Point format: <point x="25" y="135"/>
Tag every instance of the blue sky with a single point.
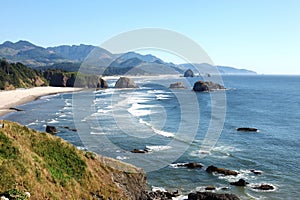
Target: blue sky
<point x="261" y="35"/>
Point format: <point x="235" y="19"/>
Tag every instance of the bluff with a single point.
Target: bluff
<point x="15" y="75"/>
<point x="48" y="167"/>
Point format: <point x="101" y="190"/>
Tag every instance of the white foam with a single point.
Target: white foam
<point x="158" y="148"/>
<point x="163" y="133"/>
<point x="53" y="121"/>
<point x="162" y="96"/>
<point x="156" y="189"/>
<point x="122" y="158"/>
<point x="157" y="131"/>
<point x="98" y="133"/>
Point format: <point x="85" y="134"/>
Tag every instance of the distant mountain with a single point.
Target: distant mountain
<point x="204" y="69"/>
<point x="98" y="61"/>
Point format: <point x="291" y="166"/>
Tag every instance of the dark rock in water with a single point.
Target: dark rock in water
<point x="264" y="187"/>
<point x="139" y="151"/>
<point x="51" y="129"/>
<point x="71" y="129"/>
<point x="191" y="165"/>
<point x="162" y="195"/>
<point x="16" y="109"/>
<point x="246" y="129"/>
<point x="202" y="86"/>
<point x="102" y="84"/>
<point x="211" y="187"/>
<point x="226" y="172"/>
<point x="240" y="182"/>
<point x="255" y="172"/>
<point x="178" y="85"/>
<point x="188" y="73"/>
<point x="211" y="196"/>
<point x="125" y="82"/>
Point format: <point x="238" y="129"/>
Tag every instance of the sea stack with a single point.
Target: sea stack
<point x="189" y="73"/>
<point x="125" y="82"/>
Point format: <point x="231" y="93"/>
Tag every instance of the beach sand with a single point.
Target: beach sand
<point x="12" y="98"/>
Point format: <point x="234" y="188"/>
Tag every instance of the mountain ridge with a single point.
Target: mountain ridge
<point x="99" y="60"/>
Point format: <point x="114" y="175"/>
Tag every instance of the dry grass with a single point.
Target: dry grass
<point x="50" y="168"/>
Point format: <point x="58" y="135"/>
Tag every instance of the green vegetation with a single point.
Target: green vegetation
<point x="14" y="75"/>
<point x="49" y="168"/>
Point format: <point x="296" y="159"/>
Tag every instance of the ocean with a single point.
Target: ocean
<point x="181" y="126"/>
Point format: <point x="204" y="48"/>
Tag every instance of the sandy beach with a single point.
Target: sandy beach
<point x="12" y="98"/>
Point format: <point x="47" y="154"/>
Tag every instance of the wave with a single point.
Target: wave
<point x="157" y="131"/>
<point x="98" y="133"/>
<point x="53" y="121"/>
<point x="158" y="147"/>
<point x="122" y="158"/>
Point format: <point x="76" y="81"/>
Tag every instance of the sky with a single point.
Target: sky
<point x="260" y="35"/>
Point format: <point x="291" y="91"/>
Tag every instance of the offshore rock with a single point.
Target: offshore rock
<point x="247" y="129"/>
<point x="240" y="182"/>
<point x="177" y="85"/>
<point x="51" y="129"/>
<point x="223" y="171"/>
<point x="188" y="73"/>
<point x="125" y="82"/>
<point x="202" y="86"/>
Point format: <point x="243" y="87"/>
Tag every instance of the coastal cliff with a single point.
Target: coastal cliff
<point x="47" y="167"/>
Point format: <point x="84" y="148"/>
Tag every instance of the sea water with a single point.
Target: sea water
<point x="172" y="125"/>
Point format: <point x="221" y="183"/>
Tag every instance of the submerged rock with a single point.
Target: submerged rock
<point x="223" y="171"/>
<point x="240" y="182"/>
<point x="188" y="73"/>
<point x="204" y="86"/>
<point x="263" y="187"/>
<point x="51" y="129"/>
<point x="177" y="85"/>
<point x="191" y="165"/>
<point x="255" y="172"/>
<point x="211" y="196"/>
<point x="139" y="151"/>
<point x="247" y="129"/>
<point x="125" y="82"/>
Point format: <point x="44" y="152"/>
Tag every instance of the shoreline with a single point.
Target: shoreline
<point x="20" y="96"/>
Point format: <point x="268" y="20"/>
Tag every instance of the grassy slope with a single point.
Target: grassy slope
<point x="50" y="168"/>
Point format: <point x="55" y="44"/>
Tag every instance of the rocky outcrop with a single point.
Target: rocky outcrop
<point x="223" y="171"/>
<point x="191" y="165"/>
<point x="205" y="86"/>
<point x="188" y="73"/>
<point x="51" y="129"/>
<point x="263" y="187"/>
<point x="240" y="182"/>
<point x="125" y="82"/>
<point x="162" y="195"/>
<point x="247" y="129"/>
<point x="211" y="196"/>
<point x="102" y="84"/>
<point x="177" y="85"/>
<point x="58" y="80"/>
